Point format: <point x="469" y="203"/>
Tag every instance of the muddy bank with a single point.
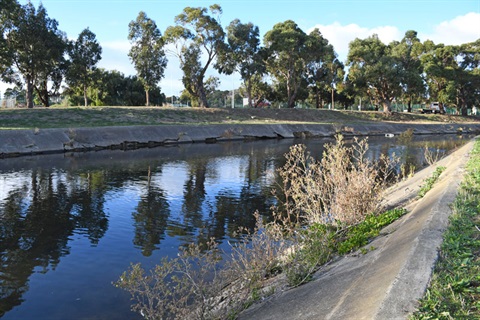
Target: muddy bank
<point x="27" y="142"/>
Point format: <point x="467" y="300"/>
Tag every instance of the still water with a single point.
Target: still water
<point x="70" y="224"/>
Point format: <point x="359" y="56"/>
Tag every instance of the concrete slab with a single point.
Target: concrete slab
<point x="26" y="142"/>
<point x="387" y="282"/>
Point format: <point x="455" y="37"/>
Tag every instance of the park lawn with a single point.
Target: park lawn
<point x="75" y="117"/>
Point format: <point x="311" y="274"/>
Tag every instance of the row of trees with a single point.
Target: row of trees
<point x="36" y="55"/>
<point x="291" y="65"/>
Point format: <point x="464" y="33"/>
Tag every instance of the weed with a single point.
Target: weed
<point x="432" y="156"/>
<point x="341" y="188"/>
<point x="430" y="181"/>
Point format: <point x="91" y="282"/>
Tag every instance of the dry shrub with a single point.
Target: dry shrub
<point x="198" y="285"/>
<point x="432" y="156"/>
<point x="180" y="288"/>
<point x="341" y="188"/>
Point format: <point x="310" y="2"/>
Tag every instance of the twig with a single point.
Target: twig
<point x="477" y="228"/>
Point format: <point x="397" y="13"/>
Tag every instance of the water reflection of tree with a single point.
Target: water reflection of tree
<point x="36" y="227"/>
<point x="150" y="218"/>
<point x="230" y="210"/>
<point x="88" y="205"/>
<point x="38" y="238"/>
<point x="194" y="195"/>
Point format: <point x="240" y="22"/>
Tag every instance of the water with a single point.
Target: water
<point x="71" y="224"/>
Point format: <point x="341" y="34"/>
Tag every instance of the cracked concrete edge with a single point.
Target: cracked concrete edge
<point x="411" y="283"/>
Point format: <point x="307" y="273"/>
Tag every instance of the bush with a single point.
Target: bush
<point x="340" y="189"/>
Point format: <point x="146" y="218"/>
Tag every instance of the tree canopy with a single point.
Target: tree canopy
<point x="84" y="54"/>
<point x="37" y="48"/>
<point x="147" y="53"/>
<point x="195" y="34"/>
<point x="244" y="55"/>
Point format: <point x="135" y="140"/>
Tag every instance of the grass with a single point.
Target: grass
<point x="71" y="117"/>
<point x="454" y="290"/>
<point x="430" y="181"/>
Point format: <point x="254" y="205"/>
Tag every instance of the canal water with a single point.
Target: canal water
<point x="70" y="224"/>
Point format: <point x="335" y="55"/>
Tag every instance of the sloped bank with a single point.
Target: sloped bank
<point x="38" y="141"/>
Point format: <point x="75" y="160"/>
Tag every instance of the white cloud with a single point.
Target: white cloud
<point x="341" y="35"/>
<point x="118" y="45"/>
<point x="461" y="29"/>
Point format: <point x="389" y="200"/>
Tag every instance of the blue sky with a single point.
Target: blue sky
<point x="340" y="21"/>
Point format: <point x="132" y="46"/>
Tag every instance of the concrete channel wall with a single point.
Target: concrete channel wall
<point x="27" y="142"/>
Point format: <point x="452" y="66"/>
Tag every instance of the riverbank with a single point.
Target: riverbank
<point x="58" y="140"/>
<point x="80" y="117"/>
<point x="386" y="280"/>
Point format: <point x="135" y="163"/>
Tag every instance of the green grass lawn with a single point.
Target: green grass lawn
<point x="71" y="117"/>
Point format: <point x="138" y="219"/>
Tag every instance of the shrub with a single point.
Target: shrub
<point x="340" y="189"/>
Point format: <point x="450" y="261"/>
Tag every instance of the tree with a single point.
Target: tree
<point x="260" y="91"/>
<point x="408" y="53"/>
<point x="323" y="70"/>
<point x="147" y="52"/>
<point x="37" y="48"/>
<point x="285" y="45"/>
<point x="290" y="52"/>
<point x="196" y="33"/>
<point x="453" y="74"/>
<point x="8" y="11"/>
<point x="84" y="53"/>
<point x="243" y="54"/>
<point x="374" y="69"/>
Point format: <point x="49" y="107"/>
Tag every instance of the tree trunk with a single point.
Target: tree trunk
<point x="42" y="93"/>
<point x="409" y="108"/>
<point x="333" y="99"/>
<point x="85" y="94"/>
<point x="387" y="106"/>
<point x="147" y="97"/>
<point x="29" y="93"/>
<point x="202" y="97"/>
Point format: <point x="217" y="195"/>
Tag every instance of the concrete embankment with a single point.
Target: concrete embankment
<point x="37" y="141"/>
<point x="387" y="281"/>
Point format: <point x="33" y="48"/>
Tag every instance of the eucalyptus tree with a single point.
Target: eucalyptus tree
<point x="147" y="53"/>
<point x="243" y="54"/>
<point x="260" y="91"/>
<point x="373" y="69"/>
<point x="8" y="11"/>
<point x="324" y="70"/>
<point x="292" y="56"/>
<point x="452" y="74"/>
<point x="408" y="52"/>
<point x="37" y="48"/>
<point x="468" y="76"/>
<point x="286" y="50"/>
<point x="84" y="54"/>
<point x="197" y="38"/>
